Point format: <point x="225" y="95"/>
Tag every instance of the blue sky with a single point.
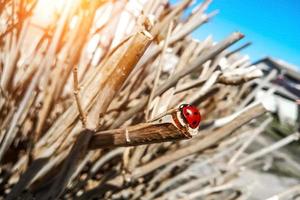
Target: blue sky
<point x="273" y="26"/>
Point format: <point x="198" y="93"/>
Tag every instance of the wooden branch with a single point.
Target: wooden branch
<point x="190" y="85"/>
<point x="99" y="91"/>
<point x="159" y="68"/>
<point x="249" y="140"/>
<point x="209" y="190"/>
<point x="26" y="178"/>
<point x="176" y="77"/>
<point x="49" y="154"/>
<point x="250" y="96"/>
<point x="268" y="149"/>
<point x="240" y="76"/>
<point x="192" y="183"/>
<point x="213" y="138"/>
<point x="137" y="135"/>
<point x="122" y="61"/>
<point x="239" y="49"/>
<point x="200" y="61"/>
<point x="77" y="96"/>
<point x="130" y="136"/>
<point x="286" y="194"/>
<point x="70" y="164"/>
<point x="159" y="26"/>
<point x="203" y="144"/>
<point x="191" y="25"/>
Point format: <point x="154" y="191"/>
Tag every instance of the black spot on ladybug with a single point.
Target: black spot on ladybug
<point x="196" y="113"/>
<point x="194" y="122"/>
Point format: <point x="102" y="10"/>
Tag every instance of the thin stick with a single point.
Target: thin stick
<point x="287" y="194"/>
<point x="209" y="190"/>
<point x="266" y="150"/>
<point x="158" y="71"/>
<point x="191" y="184"/>
<point x="239" y="48"/>
<point x="69" y="166"/>
<point x="77" y="96"/>
<point x="190" y="85"/>
<point x="201" y="60"/>
<point x="247" y="142"/>
<point x="176" y="77"/>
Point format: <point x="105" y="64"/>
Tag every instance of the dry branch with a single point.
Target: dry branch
<point x="266" y="150"/>
<point x="47" y="153"/>
<point x="76" y="154"/>
<point x="137" y="135"/>
<point x="197" y="146"/>
<point x="200" y="61"/>
<point x="176" y="77"/>
<point x="137" y="45"/>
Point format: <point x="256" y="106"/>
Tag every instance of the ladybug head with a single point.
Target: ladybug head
<point x="183" y="105"/>
<point x="190" y="115"/>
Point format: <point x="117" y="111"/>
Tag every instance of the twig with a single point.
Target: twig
<point x="190" y="85"/>
<point x="159" y="68"/>
<point x="105" y="158"/>
<point x="190" y="184"/>
<point x="176" y="77"/>
<point x="240" y="76"/>
<point x="76" y="154"/>
<point x="266" y="150"/>
<point x="239" y="49"/>
<point x="137" y="135"/>
<point x="209" y="190"/>
<point x="250" y="96"/>
<point x="197" y="146"/>
<point x="124" y="60"/>
<point x="157" y="28"/>
<point x="26" y="178"/>
<point x="78" y="42"/>
<point x="77" y="96"/>
<point x="199" y="61"/>
<point x="254" y="135"/>
<point x="287" y="194"/>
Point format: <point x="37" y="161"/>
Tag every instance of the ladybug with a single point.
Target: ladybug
<point x="190" y="115"/>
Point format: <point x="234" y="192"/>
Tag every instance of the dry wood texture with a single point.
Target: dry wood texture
<point x="137" y="135"/>
<point x="80" y="87"/>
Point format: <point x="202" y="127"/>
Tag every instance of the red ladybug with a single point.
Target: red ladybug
<point x="190" y="115"/>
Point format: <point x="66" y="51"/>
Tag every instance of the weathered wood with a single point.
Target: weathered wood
<point x="137" y="135"/>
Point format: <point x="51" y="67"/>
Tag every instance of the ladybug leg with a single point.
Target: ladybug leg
<point x="175" y="119"/>
<point x="187" y="133"/>
<point x="184" y="129"/>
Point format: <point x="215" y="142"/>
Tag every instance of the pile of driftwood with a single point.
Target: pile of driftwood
<point x="79" y="95"/>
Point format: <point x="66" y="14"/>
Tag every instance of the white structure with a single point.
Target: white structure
<point x="285" y="81"/>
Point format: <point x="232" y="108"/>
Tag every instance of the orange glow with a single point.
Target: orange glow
<point x="46" y="10"/>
